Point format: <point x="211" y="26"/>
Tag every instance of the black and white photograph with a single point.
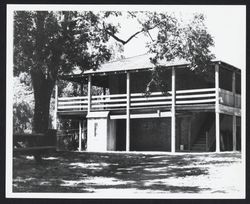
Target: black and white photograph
<point x="126" y="101"/>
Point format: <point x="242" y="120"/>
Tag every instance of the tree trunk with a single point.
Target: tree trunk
<point x="42" y="93"/>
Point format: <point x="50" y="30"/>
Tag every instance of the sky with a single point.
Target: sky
<point x="226" y="24"/>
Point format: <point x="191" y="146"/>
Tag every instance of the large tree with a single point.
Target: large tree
<point x="47" y="44"/>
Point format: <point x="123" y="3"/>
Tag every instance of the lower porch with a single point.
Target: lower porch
<point x="151" y="131"/>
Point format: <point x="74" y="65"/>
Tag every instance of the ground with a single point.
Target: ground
<point x="127" y="174"/>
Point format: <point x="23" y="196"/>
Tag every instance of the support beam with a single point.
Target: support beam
<point x="128" y="114"/>
<point x="173" y="112"/>
<point x="217" y="113"/>
<point x="234" y="116"/>
<point x="234" y="133"/>
<point x="56" y="103"/>
<point x="89" y="92"/>
<point x="233" y="87"/>
<point x="80" y="136"/>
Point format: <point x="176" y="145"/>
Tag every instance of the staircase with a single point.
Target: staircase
<point x="200" y="144"/>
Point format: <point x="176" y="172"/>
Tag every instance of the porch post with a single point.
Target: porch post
<point x="173" y="112"/>
<point x="80" y="135"/>
<point x="234" y="116"/>
<point x="217" y="114"/>
<point x="56" y="101"/>
<point x="234" y="133"/>
<point x="89" y="92"/>
<point x="128" y="114"/>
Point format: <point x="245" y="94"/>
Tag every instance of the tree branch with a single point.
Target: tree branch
<point x="122" y="41"/>
<point x="131" y="37"/>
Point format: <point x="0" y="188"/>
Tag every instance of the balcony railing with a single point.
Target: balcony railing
<point x="229" y="99"/>
<point x="137" y="100"/>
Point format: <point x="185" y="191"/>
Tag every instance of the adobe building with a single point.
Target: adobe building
<point x="199" y="113"/>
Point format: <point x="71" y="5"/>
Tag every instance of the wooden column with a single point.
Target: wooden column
<point x="128" y="114"/>
<point x="217" y="114"/>
<point x="89" y="92"/>
<point x="234" y="133"/>
<point x="173" y="112"/>
<point x="80" y="123"/>
<point x="80" y="136"/>
<point x="233" y="88"/>
<point x="234" y="116"/>
<point x="56" y="101"/>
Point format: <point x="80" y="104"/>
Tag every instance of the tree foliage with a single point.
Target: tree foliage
<point x="177" y="40"/>
<point x="47" y="44"/>
<point x="23" y="104"/>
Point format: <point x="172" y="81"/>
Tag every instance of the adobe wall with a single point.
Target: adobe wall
<point x="121" y="135"/>
<point x="183" y="131"/>
<point x="151" y="134"/>
<point x="185" y="79"/>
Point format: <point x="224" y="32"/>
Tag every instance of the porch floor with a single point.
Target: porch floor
<point x="117" y="111"/>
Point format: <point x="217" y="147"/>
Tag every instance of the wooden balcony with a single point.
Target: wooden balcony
<point x="137" y="100"/>
<point x="185" y="99"/>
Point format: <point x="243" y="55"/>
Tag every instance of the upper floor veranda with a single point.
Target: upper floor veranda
<point x="123" y="85"/>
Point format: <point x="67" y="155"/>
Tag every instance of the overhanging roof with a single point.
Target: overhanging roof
<point x="136" y="63"/>
<point x="133" y="63"/>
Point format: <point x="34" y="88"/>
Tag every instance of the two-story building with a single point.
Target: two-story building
<point x="200" y="112"/>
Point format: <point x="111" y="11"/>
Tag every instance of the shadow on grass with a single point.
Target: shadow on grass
<point x="89" y="172"/>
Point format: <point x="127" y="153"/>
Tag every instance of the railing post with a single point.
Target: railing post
<point x="217" y="113"/>
<point x="56" y="105"/>
<point x="89" y="92"/>
<point x="173" y="112"/>
<point x="128" y="114"/>
<point x="103" y="98"/>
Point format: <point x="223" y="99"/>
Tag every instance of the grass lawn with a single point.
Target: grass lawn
<point x="74" y="172"/>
